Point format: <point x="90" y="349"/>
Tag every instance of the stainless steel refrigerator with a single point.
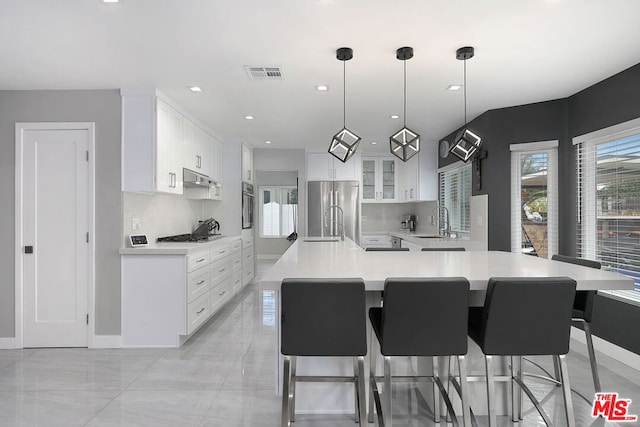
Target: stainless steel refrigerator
<point x="326" y="220"/>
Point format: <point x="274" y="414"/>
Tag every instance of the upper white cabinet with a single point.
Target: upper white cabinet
<point x="325" y="167"/>
<point x="168" y="175"/>
<point x="419" y="176"/>
<point x="159" y="140"/>
<point x="247" y="164"/>
<point x="380" y="179"/>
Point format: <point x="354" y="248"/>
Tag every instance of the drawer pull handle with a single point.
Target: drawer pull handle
<point x="200" y="311"/>
<point x="222" y="293"/>
<point x="221" y="252"/>
<point x="200" y="260"/>
<point x="200" y="283"/>
<point x="220" y="271"/>
<point x="374" y="240"/>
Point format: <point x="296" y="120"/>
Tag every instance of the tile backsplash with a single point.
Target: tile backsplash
<point x="386" y="216"/>
<point x="161" y="215"/>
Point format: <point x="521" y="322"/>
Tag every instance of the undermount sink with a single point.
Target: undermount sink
<point x="320" y="240"/>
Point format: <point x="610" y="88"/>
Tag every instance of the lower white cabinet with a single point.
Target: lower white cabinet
<point x="375" y="241"/>
<point x="248" y="261"/>
<point x="166" y="297"/>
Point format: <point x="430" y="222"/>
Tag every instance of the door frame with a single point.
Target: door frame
<point x="21" y="127"/>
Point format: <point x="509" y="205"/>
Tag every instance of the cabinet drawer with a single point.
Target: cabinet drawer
<point x="220" y="269"/>
<point x="197" y="283"/>
<point x="195" y="261"/>
<point x="220" y="294"/>
<point x="197" y="312"/>
<point x="372" y="240"/>
<point x="236" y="261"/>
<point x="247" y="273"/>
<point x="236" y="281"/>
<point x="220" y="252"/>
<point x="236" y="245"/>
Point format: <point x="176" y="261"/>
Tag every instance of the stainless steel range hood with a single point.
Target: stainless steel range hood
<point x="197" y="180"/>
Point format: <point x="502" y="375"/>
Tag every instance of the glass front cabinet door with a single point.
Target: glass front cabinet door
<point x="379" y="179"/>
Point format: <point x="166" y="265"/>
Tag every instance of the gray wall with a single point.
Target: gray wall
<point x="612" y="101"/>
<point x="103" y="108"/>
<point x="271" y="247"/>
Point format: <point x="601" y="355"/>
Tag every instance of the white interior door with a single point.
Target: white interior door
<point x="55" y="248"/>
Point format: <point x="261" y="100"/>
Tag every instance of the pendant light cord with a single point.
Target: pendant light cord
<point x="465" y="92"/>
<point x="344" y="94"/>
<point x="404" y="114"/>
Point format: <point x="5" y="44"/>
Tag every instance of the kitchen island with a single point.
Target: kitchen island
<point x="332" y="258"/>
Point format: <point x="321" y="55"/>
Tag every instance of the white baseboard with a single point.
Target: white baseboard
<point x="7" y="343"/>
<point x="605" y="347"/>
<point x="269" y="256"/>
<point x="107" y="341"/>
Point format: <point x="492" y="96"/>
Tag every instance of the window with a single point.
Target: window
<point x="278" y="209"/>
<point x="534" y="198"/>
<point x="608" y="200"/>
<point x="455" y="195"/>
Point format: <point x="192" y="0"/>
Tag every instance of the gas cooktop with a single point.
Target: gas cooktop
<point x="190" y="238"/>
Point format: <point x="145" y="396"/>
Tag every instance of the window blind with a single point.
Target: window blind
<point x="608" y="202"/>
<point x="455" y="195"/>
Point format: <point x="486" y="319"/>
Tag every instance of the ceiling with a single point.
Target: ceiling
<point x="526" y="51"/>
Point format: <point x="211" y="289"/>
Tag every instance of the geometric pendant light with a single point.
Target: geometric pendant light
<point x="344" y="143"/>
<point x="405" y="143"/>
<point x="466" y="143"/>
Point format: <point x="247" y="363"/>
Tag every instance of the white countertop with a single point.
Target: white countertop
<point x="346" y="259"/>
<point x="177" y="248"/>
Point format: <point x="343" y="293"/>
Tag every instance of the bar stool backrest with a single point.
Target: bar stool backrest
<point x="528" y="316"/>
<point x="323" y="317"/>
<point x="425" y="317"/>
<point x="584" y="300"/>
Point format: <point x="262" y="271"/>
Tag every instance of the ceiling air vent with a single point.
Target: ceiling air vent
<point x="264" y="73"/>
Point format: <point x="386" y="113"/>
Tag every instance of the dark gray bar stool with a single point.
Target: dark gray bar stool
<point x="443" y="249"/>
<point x="322" y="317"/>
<point x="583" y="313"/>
<point x="420" y="317"/>
<point x="387" y="249"/>
<point x="507" y="327"/>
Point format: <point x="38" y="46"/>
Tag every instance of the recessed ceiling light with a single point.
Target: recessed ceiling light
<point x="110" y="1"/>
<point x="267" y="142"/>
<point x="248" y="117"/>
<point x="322" y="88"/>
<point x="192" y="88"/>
<point x="374" y="142"/>
<point x="454" y="87"/>
<point x="394" y="116"/>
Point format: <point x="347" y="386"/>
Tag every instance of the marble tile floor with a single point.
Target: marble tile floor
<point x="224" y="377"/>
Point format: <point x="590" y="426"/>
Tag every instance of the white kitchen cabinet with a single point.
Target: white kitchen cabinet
<point x="325" y="167"/>
<point x="247" y="164"/>
<point x="420" y="175"/>
<point x="167" y="297"/>
<point x="248" y="261"/>
<point x="169" y="142"/>
<point x="158" y="141"/>
<point x="215" y="157"/>
<point x="379" y="180"/>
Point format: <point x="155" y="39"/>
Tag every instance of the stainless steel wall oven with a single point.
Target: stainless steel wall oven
<point x="248" y="202"/>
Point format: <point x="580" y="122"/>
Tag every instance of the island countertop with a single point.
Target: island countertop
<point x="340" y="259"/>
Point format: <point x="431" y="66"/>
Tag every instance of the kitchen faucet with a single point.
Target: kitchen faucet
<point x="442" y="229"/>
<point x="339" y="221"/>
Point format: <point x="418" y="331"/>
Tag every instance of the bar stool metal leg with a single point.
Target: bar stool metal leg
<point x="436" y="392"/>
<point x="286" y="393"/>
<point x="464" y="391"/>
<point x="491" y="409"/>
<point x="387" y="392"/>
<point x="372" y="376"/>
<point x="566" y="390"/>
<point x="592" y="357"/>
<point x="292" y="406"/>
<point x="361" y="400"/>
